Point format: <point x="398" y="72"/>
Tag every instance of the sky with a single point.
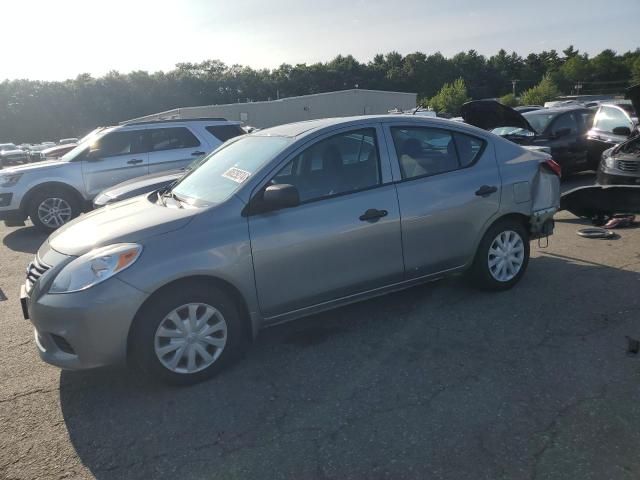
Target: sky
<point x="55" y="40"/>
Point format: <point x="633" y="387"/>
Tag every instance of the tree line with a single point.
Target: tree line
<point x="43" y="110"/>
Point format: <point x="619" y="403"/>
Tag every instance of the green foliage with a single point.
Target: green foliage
<point x="450" y="98"/>
<point x="509" y="100"/>
<point x="545" y="91"/>
<point x="34" y="111"/>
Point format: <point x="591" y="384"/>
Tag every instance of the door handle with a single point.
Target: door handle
<point x="197" y="154"/>
<point x="373" y="215"/>
<point x="134" y="161"/>
<point x="486" y="190"/>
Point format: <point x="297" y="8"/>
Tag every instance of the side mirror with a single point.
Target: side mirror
<point x="563" y="132"/>
<point x="626" y="131"/>
<point x="277" y="197"/>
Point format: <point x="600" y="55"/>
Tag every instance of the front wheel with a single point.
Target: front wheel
<point x="502" y="256"/>
<point x="187" y="334"/>
<point x="50" y="210"/>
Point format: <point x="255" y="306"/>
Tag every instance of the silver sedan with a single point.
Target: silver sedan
<point x="283" y="223"/>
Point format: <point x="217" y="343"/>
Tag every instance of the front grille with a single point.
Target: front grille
<point x="34" y="272"/>
<point x="628" y="165"/>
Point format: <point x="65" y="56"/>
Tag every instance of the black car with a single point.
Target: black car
<point x="561" y="130"/>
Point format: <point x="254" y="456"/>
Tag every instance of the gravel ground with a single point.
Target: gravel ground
<point x="439" y="381"/>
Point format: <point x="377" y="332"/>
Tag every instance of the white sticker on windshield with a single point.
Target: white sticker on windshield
<point x="236" y="174"/>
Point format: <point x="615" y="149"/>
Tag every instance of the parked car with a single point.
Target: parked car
<point x="613" y="124"/>
<point x="12" y="155"/>
<point x="53" y="192"/>
<point x="279" y="224"/>
<point x="562" y="130"/>
<point x="66" y="141"/>
<point x="619" y="165"/>
<point x="35" y="151"/>
<point x="141" y="185"/>
<point x="57" y="151"/>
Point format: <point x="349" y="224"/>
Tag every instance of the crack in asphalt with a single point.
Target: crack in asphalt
<point x="551" y="431"/>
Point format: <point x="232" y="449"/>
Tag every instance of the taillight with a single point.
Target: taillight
<point x="553" y="166"/>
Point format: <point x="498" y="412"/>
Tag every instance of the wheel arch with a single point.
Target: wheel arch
<point x="213" y="282"/>
<point x="516" y="216"/>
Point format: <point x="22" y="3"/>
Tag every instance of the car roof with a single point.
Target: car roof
<point x="309" y="126"/>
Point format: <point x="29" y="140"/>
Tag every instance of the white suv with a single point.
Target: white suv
<point x="53" y="192"/>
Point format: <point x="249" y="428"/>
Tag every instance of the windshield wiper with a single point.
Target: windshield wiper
<point x="163" y="195"/>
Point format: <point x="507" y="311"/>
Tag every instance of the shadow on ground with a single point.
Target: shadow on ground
<point x="439" y="381"/>
<point x="27" y="240"/>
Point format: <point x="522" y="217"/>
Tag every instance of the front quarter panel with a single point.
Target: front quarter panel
<point x="215" y="244"/>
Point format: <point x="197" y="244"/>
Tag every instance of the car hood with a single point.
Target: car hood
<point x="34" y="166"/>
<point x="142" y="182"/>
<point x="633" y="94"/>
<point x="129" y="221"/>
<point x="489" y="114"/>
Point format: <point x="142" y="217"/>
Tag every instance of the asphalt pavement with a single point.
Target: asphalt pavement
<point x="437" y="382"/>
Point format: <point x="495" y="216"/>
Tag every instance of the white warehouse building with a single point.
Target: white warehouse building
<point x="265" y="114"/>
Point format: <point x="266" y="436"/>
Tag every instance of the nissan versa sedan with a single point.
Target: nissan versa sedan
<point x="283" y="223"/>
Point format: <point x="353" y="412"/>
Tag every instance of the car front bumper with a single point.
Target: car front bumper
<point x="608" y="177"/>
<point x="84" y="329"/>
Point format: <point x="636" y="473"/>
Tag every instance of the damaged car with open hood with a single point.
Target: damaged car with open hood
<point x="561" y="131"/>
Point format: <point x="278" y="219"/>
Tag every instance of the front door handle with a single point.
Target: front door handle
<point x="486" y="190"/>
<point x="135" y="161"/>
<point x="197" y="154"/>
<point x="373" y="215"/>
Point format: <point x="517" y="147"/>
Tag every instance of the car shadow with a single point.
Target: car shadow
<point x="27" y="240"/>
<point x="416" y="377"/>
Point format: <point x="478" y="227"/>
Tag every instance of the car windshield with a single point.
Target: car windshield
<point x="7" y="146"/>
<point x="539" y="120"/>
<point x="227" y="168"/>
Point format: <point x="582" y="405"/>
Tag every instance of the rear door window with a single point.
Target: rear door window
<point x="171" y="138"/>
<point x="225" y="132"/>
<point x="565" y="121"/>
<point x="424" y="151"/>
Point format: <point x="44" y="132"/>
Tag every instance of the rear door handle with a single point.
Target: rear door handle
<point x="373" y="215"/>
<point x="197" y="154"/>
<point x="134" y="161"/>
<point x="486" y="190"/>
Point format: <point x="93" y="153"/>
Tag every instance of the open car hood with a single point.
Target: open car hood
<point x="489" y="114"/>
<point x="633" y="94"/>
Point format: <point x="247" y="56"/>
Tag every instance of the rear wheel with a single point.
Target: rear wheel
<point x="502" y="256"/>
<point x="187" y="335"/>
<point x="49" y="210"/>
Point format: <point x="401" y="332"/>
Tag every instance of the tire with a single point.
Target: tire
<point x="153" y="330"/>
<point x="67" y="204"/>
<point x="486" y="272"/>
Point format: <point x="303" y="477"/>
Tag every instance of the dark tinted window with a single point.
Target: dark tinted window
<point x="120" y="143"/>
<point x="585" y="120"/>
<point x="565" y="121"/>
<point x="609" y="118"/>
<point x="171" y="139"/>
<point x="429" y="151"/>
<point x="340" y="164"/>
<point x="225" y="132"/>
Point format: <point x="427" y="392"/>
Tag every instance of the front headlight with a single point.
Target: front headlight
<point x="95" y="267"/>
<point x="9" y="180"/>
<point x="609" y="162"/>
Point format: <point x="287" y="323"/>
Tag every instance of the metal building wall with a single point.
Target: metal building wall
<point x="293" y="109"/>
